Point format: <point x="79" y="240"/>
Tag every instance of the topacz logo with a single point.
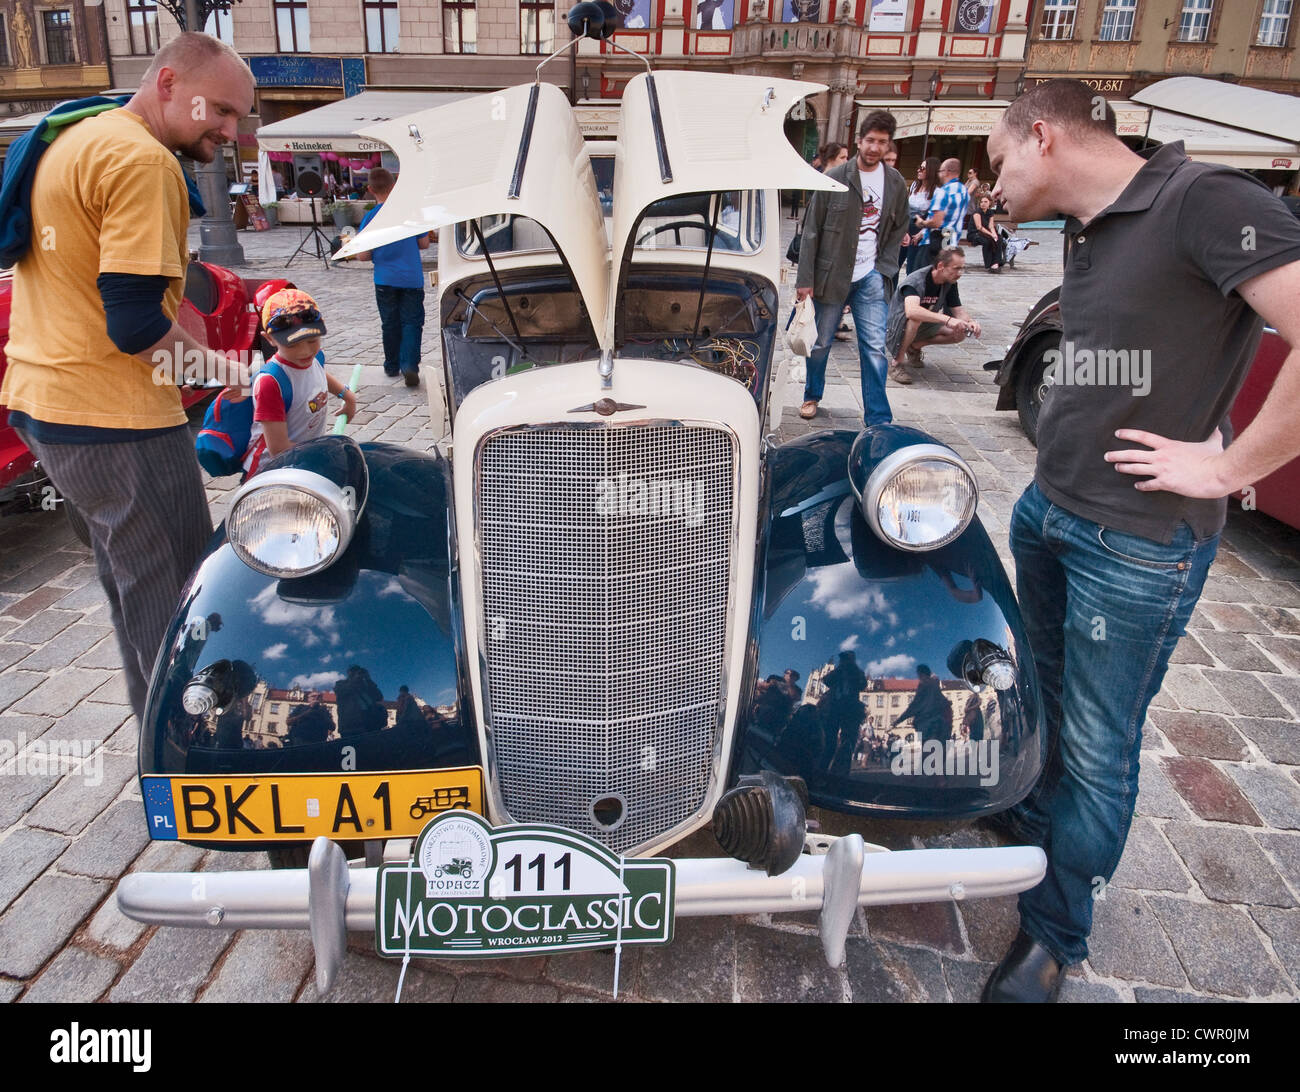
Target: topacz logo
<point x="953" y="757"/>
<point x="115" y="1046"/>
<point x="1071" y="367"/>
<point x="667" y="498"/>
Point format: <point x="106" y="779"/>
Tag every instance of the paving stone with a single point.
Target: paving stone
<point x="109" y="844"/>
<point x="931" y="924"/>
<point x="1148" y="863"/>
<point x="888" y="972"/>
<point x="803" y="973"/>
<point x="1284" y="851"/>
<point x="1274" y="795"/>
<point x="15" y="684"/>
<point x="485" y="989"/>
<point x="1204" y="735"/>
<point x="1174" y="997"/>
<point x="1080" y="991"/>
<point x="113" y="928"/>
<point x="263" y="965"/>
<point x="59" y="652"/>
<point x="39" y="923"/>
<point x="1286" y="650"/>
<point x="18" y="729"/>
<point x="18" y="793"/>
<point x="92" y="720"/>
<point x="1189" y="650"/>
<point x="1226" y="589"/>
<point x="1236" y="651"/>
<point x="1209" y="791"/>
<point x="9" y="990"/>
<point x="369" y="979"/>
<point x="966" y="980"/>
<point x="73" y="803"/>
<point x="37" y="600"/>
<point x="1156" y="796"/>
<point x="24" y="855"/>
<point x="699" y="965"/>
<point x="84" y="598"/>
<point x="1127" y="941"/>
<point x="991" y="925"/>
<point x="11" y="653"/>
<point x="1275" y="619"/>
<point x="43" y="627"/>
<point x="1284" y="686"/>
<point x="172" y="966"/>
<point x="105" y="654"/>
<point x="1247" y="695"/>
<point x="1218" y="947"/>
<point x="59" y="693"/>
<point x="1277" y="593"/>
<point x="1228" y="865"/>
<point x="1283" y="929"/>
<point x="1234" y="618"/>
<point x="40" y="573"/>
<point x="1189" y="689"/>
<point x="1278" y="740"/>
<point x="113" y="691"/>
<point x="75" y="976"/>
<point x="594" y="970"/>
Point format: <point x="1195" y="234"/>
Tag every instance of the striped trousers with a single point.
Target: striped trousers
<point x="144" y="505"/>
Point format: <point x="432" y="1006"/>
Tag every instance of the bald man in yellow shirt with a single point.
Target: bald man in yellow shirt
<point x="93" y="315"/>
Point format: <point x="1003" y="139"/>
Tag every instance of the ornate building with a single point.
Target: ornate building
<point x="49" y="53"/>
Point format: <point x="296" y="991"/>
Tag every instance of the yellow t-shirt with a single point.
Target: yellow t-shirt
<point x="107" y="198"/>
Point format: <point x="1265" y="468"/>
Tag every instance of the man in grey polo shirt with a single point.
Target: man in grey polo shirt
<point x="1169" y="265"/>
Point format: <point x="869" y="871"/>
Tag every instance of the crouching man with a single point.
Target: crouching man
<point x="926" y="310"/>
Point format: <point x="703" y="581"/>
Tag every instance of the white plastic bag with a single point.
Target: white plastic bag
<point x="801" y="330"/>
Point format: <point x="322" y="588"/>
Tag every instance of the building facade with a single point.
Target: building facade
<point x="50" y="53"/>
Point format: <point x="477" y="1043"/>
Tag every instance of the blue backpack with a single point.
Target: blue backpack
<point x="223" y="442"/>
<point x="20" y="169"/>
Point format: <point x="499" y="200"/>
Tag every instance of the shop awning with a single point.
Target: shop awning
<point x="336" y="127"/>
<point x="1210" y="142"/>
<point x="948" y="117"/>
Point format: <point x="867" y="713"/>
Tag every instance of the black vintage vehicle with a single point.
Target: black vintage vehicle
<point x="607" y="607"/>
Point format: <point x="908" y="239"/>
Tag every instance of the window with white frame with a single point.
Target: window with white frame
<point x="536" y="26"/>
<point x="1194" y="23"/>
<point x="57" y="28"/>
<point x="1058" y="19"/>
<point x="1274" y="21"/>
<point x="220" y="25"/>
<point x="459" y="26"/>
<point x="292" y="26"/>
<point x="382" y="25"/>
<point x="1117" y="20"/>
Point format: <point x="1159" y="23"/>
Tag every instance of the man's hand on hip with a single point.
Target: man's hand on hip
<point x="1174" y="466"/>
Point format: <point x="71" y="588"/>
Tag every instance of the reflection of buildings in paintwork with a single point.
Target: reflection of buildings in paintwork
<point x="885" y="699"/>
<point x="270" y="707"/>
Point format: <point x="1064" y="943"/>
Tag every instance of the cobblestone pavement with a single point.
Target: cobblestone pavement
<point x="1206" y="903"/>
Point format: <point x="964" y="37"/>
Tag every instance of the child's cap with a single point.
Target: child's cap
<point x="291" y="316"/>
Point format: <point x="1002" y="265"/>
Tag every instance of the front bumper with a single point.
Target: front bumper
<point x="330" y="898"/>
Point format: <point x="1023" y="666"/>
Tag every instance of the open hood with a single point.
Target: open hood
<point x="520" y="151"/>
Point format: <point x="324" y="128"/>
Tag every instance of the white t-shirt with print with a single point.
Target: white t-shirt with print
<point x="873" y="196"/>
<point x="308" y="406"/>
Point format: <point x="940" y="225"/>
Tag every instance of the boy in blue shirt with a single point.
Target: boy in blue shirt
<point x="399" y="289"/>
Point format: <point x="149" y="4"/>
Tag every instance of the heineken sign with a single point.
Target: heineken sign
<point x="475" y="890"/>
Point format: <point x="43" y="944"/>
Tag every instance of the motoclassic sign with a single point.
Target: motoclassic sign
<point x="475" y="890"/>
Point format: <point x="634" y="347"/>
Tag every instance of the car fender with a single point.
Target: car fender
<point x="388" y="605"/>
<point x="832" y="593"/>
<point x="1043" y="317"/>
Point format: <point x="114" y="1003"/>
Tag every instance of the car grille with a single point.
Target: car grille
<point x="606" y="557"/>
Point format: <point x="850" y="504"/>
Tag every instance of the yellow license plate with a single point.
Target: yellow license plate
<point x="300" y="807"/>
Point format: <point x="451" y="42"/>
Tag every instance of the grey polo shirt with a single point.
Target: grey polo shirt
<point x="1155" y="336"/>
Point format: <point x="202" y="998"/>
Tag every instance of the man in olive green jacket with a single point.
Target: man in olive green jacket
<point x="849" y="254"/>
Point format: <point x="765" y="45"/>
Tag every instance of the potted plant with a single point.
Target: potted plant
<point x="340" y="211"/>
<point x="272" y="211"/>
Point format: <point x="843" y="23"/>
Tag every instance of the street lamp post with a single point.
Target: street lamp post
<point x="929" y="111"/>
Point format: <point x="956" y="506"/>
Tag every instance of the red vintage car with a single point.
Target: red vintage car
<point x="219" y="308"/>
<point x="1023" y="376"/>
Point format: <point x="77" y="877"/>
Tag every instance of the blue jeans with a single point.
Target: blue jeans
<point x="870" y="305"/>
<point x="401" y="314"/>
<point x="1103" y="611"/>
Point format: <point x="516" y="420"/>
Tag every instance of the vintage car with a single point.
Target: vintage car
<point x="1024" y="375"/>
<point x="218" y="308"/>
<point x="608" y="610"/>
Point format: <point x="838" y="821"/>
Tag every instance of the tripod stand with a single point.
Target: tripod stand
<point x="315" y="236"/>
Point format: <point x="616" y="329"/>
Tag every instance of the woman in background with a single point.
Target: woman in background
<point x="919" y="197"/>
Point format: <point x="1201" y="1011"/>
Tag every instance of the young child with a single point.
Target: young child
<point x="292" y="320"/>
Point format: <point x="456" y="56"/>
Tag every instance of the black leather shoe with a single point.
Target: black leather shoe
<point x="1027" y="973"/>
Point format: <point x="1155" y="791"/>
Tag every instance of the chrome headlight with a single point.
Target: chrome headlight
<point x="919" y="497"/>
<point x="291" y="522"/>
